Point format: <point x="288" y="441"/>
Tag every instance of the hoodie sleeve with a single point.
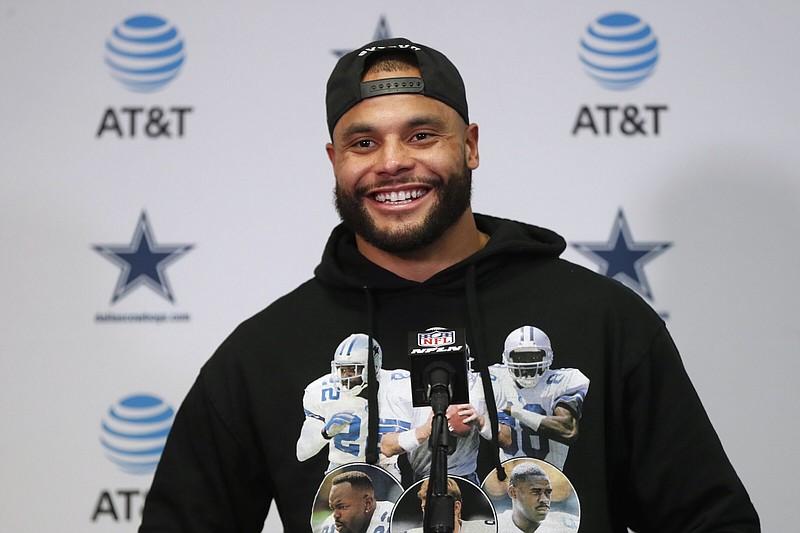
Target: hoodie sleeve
<point x="210" y="477"/>
<point x="680" y="479"/>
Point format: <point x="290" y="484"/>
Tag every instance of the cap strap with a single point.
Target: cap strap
<point x="391" y="86"/>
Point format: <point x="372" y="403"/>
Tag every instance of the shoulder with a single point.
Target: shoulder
<point x="497" y="370"/>
<point x="565" y="375"/>
<point x="384" y="507"/>
<point x="391" y="376"/>
<point x="395" y="383"/>
<point x="319" y="383"/>
<point x="478" y="526"/>
<point x="560" y="522"/>
<point x="286" y="315"/>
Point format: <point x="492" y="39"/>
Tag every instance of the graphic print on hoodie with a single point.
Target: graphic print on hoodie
<point x="525" y="390"/>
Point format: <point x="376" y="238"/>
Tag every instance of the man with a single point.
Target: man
<point x="544" y="405"/>
<point x="354" y="507"/>
<point x="459" y="525"/>
<point x="410" y="254"/>
<point x="530" y="491"/>
<point x="335" y="406"/>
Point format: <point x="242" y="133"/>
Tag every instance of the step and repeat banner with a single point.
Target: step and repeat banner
<point x="151" y="201"/>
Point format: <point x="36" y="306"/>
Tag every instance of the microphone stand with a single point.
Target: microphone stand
<point x="439" y="505"/>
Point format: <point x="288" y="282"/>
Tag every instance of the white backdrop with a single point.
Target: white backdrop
<point x="243" y="188"/>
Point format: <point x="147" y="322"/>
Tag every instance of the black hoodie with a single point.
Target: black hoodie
<point x="646" y="456"/>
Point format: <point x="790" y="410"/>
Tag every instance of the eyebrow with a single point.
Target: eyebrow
<point x="365" y="127"/>
<point x="426" y="120"/>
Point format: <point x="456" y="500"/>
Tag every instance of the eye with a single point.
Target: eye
<point x="421" y="136"/>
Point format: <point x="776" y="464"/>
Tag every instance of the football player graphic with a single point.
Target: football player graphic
<point x="544" y="405"/>
<point x="355" y="507"/>
<point x="473" y="423"/>
<point x="335" y="406"/>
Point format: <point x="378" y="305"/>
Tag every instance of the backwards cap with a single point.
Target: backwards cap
<point x="440" y="79"/>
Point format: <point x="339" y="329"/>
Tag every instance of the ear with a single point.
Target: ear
<point x="512" y="492"/>
<point x="471" y="147"/>
<point x="331" y="153"/>
<point x="369" y="503"/>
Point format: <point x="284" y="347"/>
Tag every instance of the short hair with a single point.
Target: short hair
<point x="452" y="489"/>
<point x="525" y="471"/>
<point x="357" y="479"/>
<point x="390" y="61"/>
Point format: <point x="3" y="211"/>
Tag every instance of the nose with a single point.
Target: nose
<point x="394" y="158"/>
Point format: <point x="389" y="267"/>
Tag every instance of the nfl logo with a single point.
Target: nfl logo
<point x="436" y="338"/>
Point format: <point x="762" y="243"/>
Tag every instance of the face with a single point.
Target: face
<point x="350" y="375"/>
<point x="403" y="166"/>
<point x="528" y="357"/>
<point x="532" y="498"/>
<point x="352" y="509"/>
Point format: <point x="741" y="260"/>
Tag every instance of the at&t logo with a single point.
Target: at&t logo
<point x="133" y="433"/>
<point x="619" y="51"/>
<point x="144" y="53"/>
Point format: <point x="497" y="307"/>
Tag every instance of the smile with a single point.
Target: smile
<point x="399" y="197"/>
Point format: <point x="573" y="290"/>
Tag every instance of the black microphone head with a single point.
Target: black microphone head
<point x="438" y="359"/>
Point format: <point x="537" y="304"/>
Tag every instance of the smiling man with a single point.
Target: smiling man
<point x="403" y="166"/>
<point x="410" y="254"/>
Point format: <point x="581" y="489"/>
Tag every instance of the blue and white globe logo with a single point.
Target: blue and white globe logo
<point x="619" y="51"/>
<point x="134" y="432"/>
<point x="145" y="53"/>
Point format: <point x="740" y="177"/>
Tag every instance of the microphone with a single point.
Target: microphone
<point x="438" y="378"/>
<point x="438" y="368"/>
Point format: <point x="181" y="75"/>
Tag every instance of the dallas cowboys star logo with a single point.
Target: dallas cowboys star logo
<point x="143" y="262"/>
<point x="622" y="258"/>
<point x="381" y="32"/>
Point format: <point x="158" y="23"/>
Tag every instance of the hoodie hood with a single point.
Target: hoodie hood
<point x="342" y="265"/>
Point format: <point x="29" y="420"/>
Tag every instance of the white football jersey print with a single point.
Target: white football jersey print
<point x="554" y="523"/>
<point x="561" y="386"/>
<point x="323" y="401"/>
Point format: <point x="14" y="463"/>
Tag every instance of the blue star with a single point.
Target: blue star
<point x="623" y="259"/>
<point x="142" y="261"/>
<point x="381" y="32"/>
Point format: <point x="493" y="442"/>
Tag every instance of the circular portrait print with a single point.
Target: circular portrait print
<point x="472" y="513"/>
<point x="356" y="498"/>
<point x="535" y="496"/>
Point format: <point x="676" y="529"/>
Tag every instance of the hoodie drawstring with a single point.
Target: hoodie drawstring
<point x="483" y="367"/>
<point x="373" y="384"/>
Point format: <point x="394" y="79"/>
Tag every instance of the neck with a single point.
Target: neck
<point x="459" y="242"/>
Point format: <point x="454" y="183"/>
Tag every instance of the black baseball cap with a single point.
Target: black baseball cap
<point x="440" y="79"/>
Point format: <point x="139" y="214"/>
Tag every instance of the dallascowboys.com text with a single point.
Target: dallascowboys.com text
<point x="156" y="318"/>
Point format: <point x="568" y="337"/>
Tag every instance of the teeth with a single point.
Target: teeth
<point x="400" y="197"/>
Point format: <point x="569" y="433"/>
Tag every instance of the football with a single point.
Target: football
<point x="456" y="422"/>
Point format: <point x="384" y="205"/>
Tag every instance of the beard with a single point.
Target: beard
<point x="453" y="199"/>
